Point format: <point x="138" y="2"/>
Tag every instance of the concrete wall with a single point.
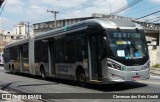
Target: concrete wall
<point x="154" y="50"/>
<point x="153" y="55"/>
<point x="158" y="55"/>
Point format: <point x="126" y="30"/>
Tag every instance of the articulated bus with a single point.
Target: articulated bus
<point x="98" y="51"/>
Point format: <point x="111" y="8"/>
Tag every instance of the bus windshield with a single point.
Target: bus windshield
<point x="128" y="44"/>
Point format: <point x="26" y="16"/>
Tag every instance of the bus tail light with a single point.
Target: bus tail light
<point x="116" y="66"/>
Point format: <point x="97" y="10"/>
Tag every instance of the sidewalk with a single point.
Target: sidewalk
<point x="155" y="71"/>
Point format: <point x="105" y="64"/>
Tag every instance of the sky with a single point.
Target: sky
<point x="35" y="11"/>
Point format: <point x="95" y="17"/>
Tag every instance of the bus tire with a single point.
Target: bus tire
<point x="81" y="77"/>
<point x="10" y="69"/>
<point x="42" y="71"/>
<point x="13" y="70"/>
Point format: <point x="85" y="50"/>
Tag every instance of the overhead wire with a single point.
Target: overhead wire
<point x="139" y="5"/>
<point x="134" y="2"/>
<point x="156" y="20"/>
<point x="153" y="19"/>
<point x="144" y="10"/>
<point x="147" y="15"/>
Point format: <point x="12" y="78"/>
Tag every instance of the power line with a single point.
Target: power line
<point x="156" y="20"/>
<point x="152" y="19"/>
<point x="134" y="2"/>
<point x="144" y="10"/>
<point x="148" y="15"/>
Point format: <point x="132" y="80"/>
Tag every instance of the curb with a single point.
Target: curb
<point x="155" y="73"/>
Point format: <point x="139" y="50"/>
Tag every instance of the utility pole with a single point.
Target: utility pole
<point x="55" y="14"/>
<point x="28" y="35"/>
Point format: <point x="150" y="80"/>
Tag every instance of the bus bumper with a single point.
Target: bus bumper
<point x="136" y="75"/>
<point x="122" y="76"/>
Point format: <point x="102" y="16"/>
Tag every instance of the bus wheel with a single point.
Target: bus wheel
<point x="81" y="78"/>
<point x="43" y="75"/>
<point x="10" y="69"/>
<point x="13" y="70"/>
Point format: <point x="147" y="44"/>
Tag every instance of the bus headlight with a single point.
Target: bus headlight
<point x="146" y="66"/>
<point x="113" y="65"/>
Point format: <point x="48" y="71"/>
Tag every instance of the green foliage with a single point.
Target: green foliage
<point x="156" y="66"/>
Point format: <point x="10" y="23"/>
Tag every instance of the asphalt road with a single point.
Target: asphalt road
<point x="33" y="84"/>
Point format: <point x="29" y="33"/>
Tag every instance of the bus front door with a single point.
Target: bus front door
<point x="94" y="52"/>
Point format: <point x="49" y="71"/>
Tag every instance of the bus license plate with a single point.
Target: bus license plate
<point x="136" y="77"/>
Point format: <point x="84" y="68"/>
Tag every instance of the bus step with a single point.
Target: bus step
<point x="95" y="81"/>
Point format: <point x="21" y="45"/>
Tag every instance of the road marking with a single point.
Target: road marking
<point x="148" y="82"/>
<point x="1" y="91"/>
<point x="155" y="76"/>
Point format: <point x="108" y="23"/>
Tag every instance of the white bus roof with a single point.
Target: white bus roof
<point x="101" y="22"/>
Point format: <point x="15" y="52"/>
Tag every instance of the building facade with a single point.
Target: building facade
<point x="20" y="31"/>
<point x="46" y="26"/>
<point x="6" y="37"/>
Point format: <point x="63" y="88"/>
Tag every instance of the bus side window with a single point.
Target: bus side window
<point x="38" y="51"/>
<point x="81" y="47"/>
<point x="59" y="49"/>
<point x="69" y="48"/>
<point x="44" y="52"/>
